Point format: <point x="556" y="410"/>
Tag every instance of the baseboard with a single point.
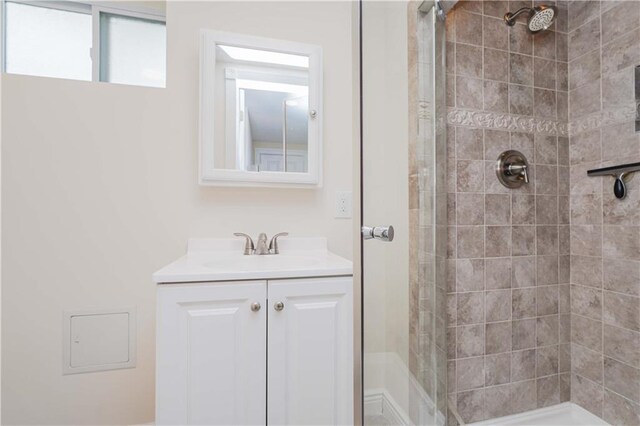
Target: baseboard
<point x="380" y="403"/>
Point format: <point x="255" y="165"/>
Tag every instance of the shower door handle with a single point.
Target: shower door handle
<point x="382" y="233"/>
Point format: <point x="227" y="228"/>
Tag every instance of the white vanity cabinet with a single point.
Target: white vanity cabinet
<point x="211" y="357"/>
<point x="310" y="352"/>
<point x="276" y="351"/>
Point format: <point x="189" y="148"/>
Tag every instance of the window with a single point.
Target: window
<point x="58" y="39"/>
<point x="132" y="50"/>
<point x="47" y="42"/>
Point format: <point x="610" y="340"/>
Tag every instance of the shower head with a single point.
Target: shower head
<point x="540" y="17"/>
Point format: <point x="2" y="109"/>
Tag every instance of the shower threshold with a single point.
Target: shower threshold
<point x="565" y="414"/>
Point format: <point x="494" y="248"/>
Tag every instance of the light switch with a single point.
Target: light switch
<point x="101" y="340"/>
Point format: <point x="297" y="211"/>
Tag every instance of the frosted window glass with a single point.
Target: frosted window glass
<point x="47" y="42"/>
<point x="132" y="50"/>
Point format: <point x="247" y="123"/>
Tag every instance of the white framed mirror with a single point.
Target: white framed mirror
<point x="260" y="111"/>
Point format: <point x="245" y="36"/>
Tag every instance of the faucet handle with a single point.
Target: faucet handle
<point x="249" y="248"/>
<point x="273" y="245"/>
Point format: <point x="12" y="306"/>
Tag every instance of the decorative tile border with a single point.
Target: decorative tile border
<point x="501" y="121"/>
<point x="527" y="124"/>
<point x="604" y="118"/>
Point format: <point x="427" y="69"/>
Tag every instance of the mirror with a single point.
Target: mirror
<point x="260" y="111"/>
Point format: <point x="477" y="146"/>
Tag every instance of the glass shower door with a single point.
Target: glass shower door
<point x="403" y="190"/>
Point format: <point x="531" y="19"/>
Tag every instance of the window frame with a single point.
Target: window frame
<point x="93" y="8"/>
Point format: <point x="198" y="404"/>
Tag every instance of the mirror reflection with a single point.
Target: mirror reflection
<point x="265" y="97"/>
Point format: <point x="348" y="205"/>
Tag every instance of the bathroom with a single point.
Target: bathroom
<point x="462" y="226"/>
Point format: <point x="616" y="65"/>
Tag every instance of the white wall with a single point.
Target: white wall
<point x="99" y="189"/>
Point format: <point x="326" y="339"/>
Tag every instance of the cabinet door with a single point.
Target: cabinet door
<point x="211" y="354"/>
<point x="310" y="352"/>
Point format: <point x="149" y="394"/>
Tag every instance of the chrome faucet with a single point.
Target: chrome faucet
<point x="273" y="244"/>
<point x="261" y="248"/>
<point x="249" y="248"/>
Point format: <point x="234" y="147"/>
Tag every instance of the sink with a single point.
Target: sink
<point x="223" y="260"/>
<point x="264" y="263"/>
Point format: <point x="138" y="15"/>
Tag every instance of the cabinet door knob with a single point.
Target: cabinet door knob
<point x="278" y="306"/>
<point x="255" y="306"/>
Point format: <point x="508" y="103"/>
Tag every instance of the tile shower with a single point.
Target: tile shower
<point x="543" y="282"/>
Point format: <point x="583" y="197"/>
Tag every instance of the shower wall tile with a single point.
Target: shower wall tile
<point x="524" y="272"/>
<point x="467" y="211"/>
<point x="470" y="308"/>
<point x="587" y="363"/>
<point x="547" y="361"/>
<point x="544" y="103"/>
<point x="621" y="53"/>
<point x="523" y="334"/>
<point x="520" y="40"/>
<point x="581" y="11"/>
<point x="622" y="276"/>
<point x="470" y="6"/>
<point x="587" y="394"/>
<point x="470" y="405"/>
<point x="622" y="344"/>
<point x="586" y="301"/>
<point x="618" y="88"/>
<point x="620" y="19"/>
<point x="470" y="373"/>
<point x="521" y="69"/>
<point x="496" y="33"/>
<point x="498" y="305"/>
<point x="508" y="297"/>
<point x="621" y="310"/>
<point x="520" y="100"/>
<point x="497" y="369"/>
<point x="618" y="410"/>
<point x="622" y="379"/>
<point x="469" y="27"/>
<point x="497" y="209"/>
<point x="549" y="390"/>
<point x="584" y="39"/>
<point x="470" y="341"/>
<point x="562" y="52"/>
<point x="587" y="271"/>
<point x="544" y="45"/>
<point x="622" y="141"/>
<point x="584" y="69"/>
<point x="468" y="60"/>
<point x="621" y="242"/>
<point x="586" y="332"/>
<point x="496" y="96"/>
<point x="603" y="47"/>
<point x="585" y="100"/>
<point x="495" y="8"/>
<point x="496" y="65"/>
<point x="468" y="92"/>
<point x="523" y="240"/>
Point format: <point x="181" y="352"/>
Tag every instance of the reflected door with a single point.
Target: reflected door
<point x="403" y="160"/>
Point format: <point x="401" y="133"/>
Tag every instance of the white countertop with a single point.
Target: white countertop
<point x="223" y="260"/>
